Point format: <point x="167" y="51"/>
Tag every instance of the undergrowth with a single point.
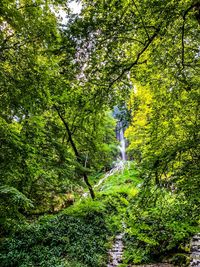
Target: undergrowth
<point x="160" y="229"/>
<point x="78" y="235"/>
<point x="156" y="228"/>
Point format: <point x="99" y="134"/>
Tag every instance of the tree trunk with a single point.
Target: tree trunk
<point x="78" y="158"/>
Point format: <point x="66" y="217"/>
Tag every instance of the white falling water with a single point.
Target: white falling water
<point x="122" y="144"/>
<point x="120" y="137"/>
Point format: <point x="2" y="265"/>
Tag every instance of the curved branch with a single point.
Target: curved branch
<point x="150" y="40"/>
<point x="143" y="24"/>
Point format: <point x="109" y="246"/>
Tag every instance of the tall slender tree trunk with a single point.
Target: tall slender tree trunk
<point x="78" y="158"/>
<point x="85" y="177"/>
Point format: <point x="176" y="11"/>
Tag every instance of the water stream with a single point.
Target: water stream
<point x="116" y="252"/>
<point x="119" y="166"/>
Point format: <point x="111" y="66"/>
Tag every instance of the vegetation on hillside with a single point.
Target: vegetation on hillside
<point x="82" y="234"/>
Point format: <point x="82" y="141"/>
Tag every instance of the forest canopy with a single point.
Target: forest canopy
<point x="60" y="81"/>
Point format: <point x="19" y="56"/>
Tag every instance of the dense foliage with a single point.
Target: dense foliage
<point x="52" y="132"/>
<point x="82" y="234"/>
<point x="76" y="239"/>
<point x="78" y="236"/>
<point x="60" y="79"/>
<point x="160" y="229"/>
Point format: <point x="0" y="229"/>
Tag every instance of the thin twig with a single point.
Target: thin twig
<point x="183" y="31"/>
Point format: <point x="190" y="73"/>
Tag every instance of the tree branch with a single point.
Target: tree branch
<point x="150" y="40"/>
<point x="195" y="5"/>
<point x="143" y="24"/>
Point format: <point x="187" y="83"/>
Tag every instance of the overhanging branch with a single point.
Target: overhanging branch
<point x="136" y="62"/>
<point x="197" y="6"/>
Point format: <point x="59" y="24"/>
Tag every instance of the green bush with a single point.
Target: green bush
<point x="60" y="240"/>
<point x="160" y="228"/>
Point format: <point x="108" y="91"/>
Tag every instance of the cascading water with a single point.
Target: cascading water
<point x="120" y="137"/>
<point x="122" y="144"/>
<point x="120" y="115"/>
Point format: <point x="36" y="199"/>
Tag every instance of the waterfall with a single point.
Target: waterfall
<point x="120" y="137"/>
<point x="122" y="144"/>
<point x="120" y="115"/>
